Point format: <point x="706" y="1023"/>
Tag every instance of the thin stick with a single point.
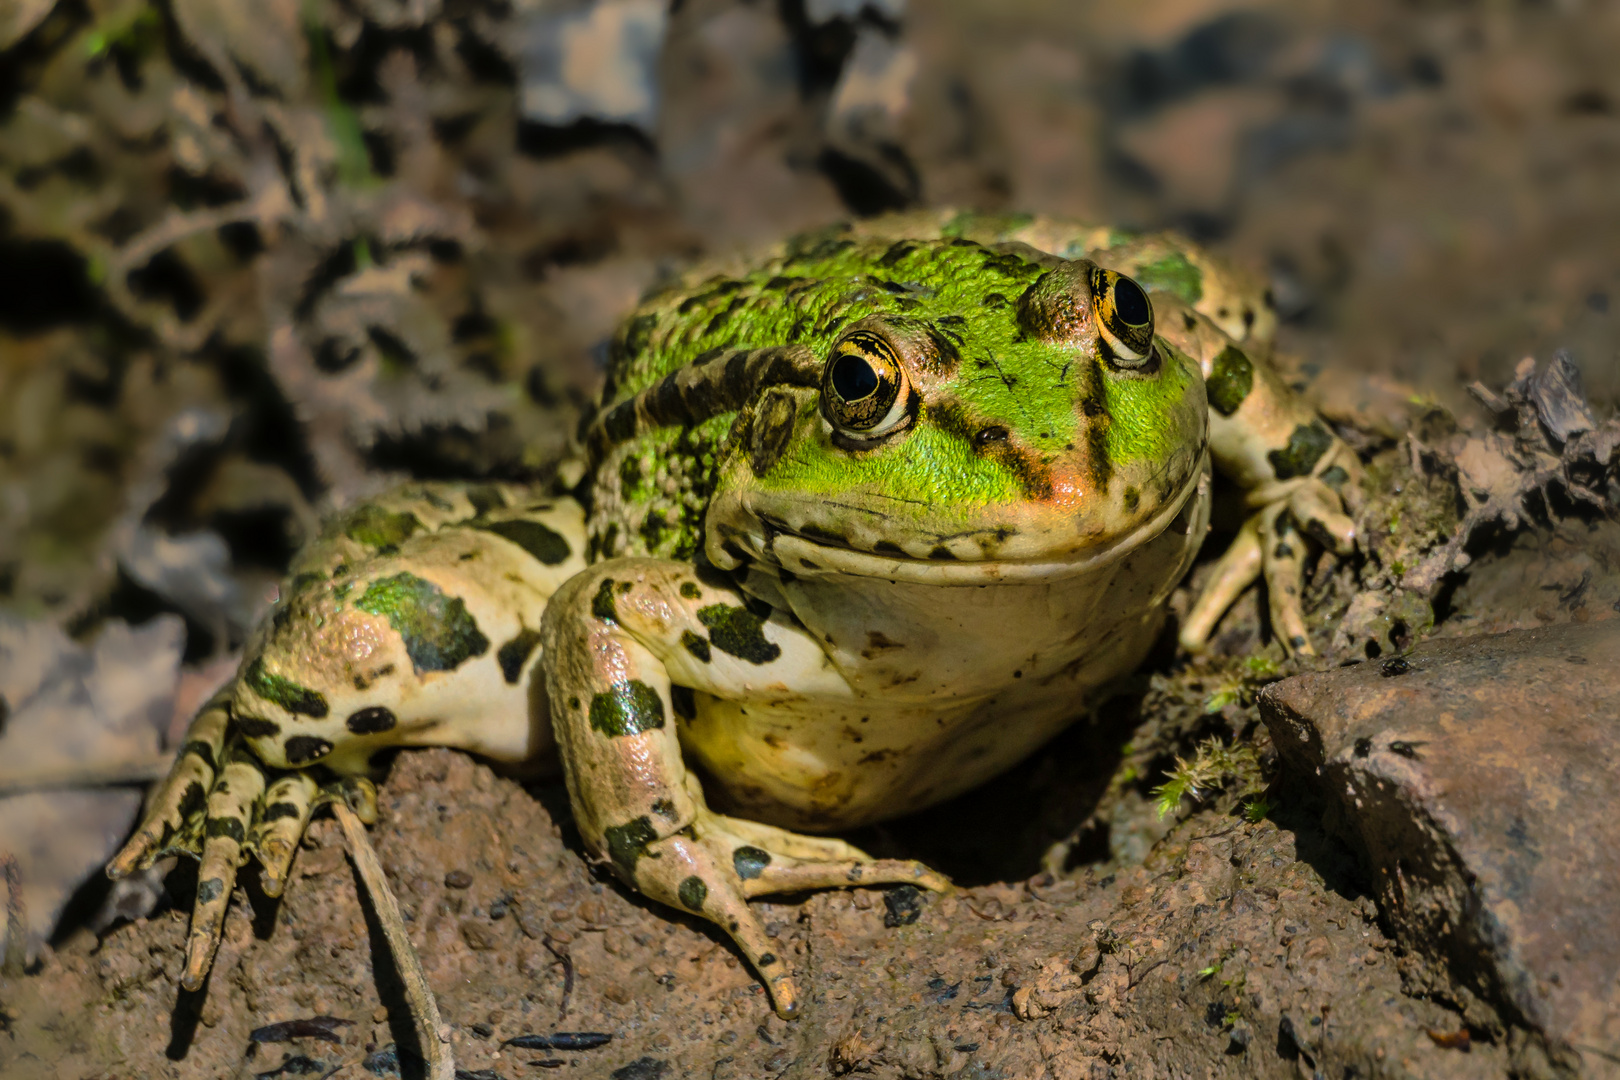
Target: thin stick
<point x="95" y="774"/>
<point x="430" y="1031"/>
<point x="16" y="943"/>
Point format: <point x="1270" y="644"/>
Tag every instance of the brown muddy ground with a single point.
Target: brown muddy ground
<point x="1431" y="187"/>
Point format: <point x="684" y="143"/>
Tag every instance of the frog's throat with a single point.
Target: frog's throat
<point x="791" y="549"/>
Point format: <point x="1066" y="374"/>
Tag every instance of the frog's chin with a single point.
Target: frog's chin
<point x="805" y="557"/>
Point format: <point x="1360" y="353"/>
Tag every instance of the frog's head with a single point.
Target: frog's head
<point x="973" y="430"/>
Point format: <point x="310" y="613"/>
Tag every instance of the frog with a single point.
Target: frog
<point x="856" y="525"/>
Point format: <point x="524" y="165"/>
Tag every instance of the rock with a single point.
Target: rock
<point x="1478" y="780"/>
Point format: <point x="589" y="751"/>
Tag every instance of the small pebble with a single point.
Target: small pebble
<point x="379" y="1014"/>
<point x="457" y="879"/>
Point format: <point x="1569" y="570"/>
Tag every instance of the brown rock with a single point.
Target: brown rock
<point x="1480" y="780"/>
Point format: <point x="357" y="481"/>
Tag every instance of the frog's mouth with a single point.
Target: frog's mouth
<point x="981" y="557"/>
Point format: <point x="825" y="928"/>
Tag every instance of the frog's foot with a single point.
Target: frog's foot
<point x="713" y="867"/>
<point x="219" y="806"/>
<point x="1271" y="545"/>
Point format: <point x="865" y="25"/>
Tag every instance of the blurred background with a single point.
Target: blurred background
<point x="257" y="258"/>
<point x="261" y="259"/>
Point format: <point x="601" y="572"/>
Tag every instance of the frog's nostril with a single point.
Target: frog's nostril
<point x="993" y="434"/>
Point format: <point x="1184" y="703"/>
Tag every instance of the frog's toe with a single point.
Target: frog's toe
<point x="793" y="875"/>
<point x="1316" y="507"/>
<point x="703" y="874"/>
<point x="230" y="811"/>
<point x="288" y="804"/>
<point x="1283" y="551"/>
<point x="1236" y="570"/>
<point x="183" y="796"/>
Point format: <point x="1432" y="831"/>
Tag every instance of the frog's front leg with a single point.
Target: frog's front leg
<point x="624" y="645"/>
<point x="1299" y="476"/>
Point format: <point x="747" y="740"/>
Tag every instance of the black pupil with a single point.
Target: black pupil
<point x="1130" y="303"/>
<point x="853" y="377"/>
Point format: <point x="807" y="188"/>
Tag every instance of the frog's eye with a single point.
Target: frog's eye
<point x="1124" y="317"/>
<point x="864" y="391"/>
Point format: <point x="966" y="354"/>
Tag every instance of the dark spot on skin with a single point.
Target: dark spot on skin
<point x="543" y="543"/>
<point x="284" y="692"/>
<point x="629" y="472"/>
<point x="1133" y="499"/>
<point x="750" y="862"/>
<point x="438" y="632"/>
<point x="682" y="701"/>
<point x="484" y="498"/>
<point x="280" y="810"/>
<point x="228" y="827"/>
<point x="665" y="809"/>
<point x="515" y="653"/>
<point x="1188" y="320"/>
<point x="1335" y="477"/>
<point x="193" y="800"/>
<point x="942" y="553"/>
<point x="1231" y="378"/>
<point x="690" y="590"/>
<point x="888" y="547"/>
<point x="1395" y="665"/>
<point x="198" y="748"/>
<point x="1305" y="448"/>
<point x="371" y="720"/>
<point x="573" y="703"/>
<point x="302" y="748"/>
<point x="652" y="530"/>
<point x="1406" y="749"/>
<point x="695" y="645"/>
<point x="1099" y="467"/>
<point x="1363" y="747"/>
<point x="627" y="708"/>
<point x="626" y="845"/>
<point x="692" y="893"/>
<point x="739" y="632"/>
<point x="253" y="728"/>
<point x="772" y="428"/>
<point x="767" y="959"/>
<point x="602" y="605"/>
<point x="375" y="527"/>
<point x="1282" y="551"/>
<point x="210" y="890"/>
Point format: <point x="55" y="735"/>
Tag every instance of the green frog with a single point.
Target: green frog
<point x="860" y="524"/>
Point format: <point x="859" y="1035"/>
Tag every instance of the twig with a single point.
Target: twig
<point x="567" y="963"/>
<point x="430" y="1031"/>
<point x="16" y="951"/>
<point x="94" y="774"/>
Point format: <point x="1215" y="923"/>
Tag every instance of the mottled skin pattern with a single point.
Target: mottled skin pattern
<point x="864" y="522"/>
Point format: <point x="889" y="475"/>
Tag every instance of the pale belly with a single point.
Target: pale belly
<point x="950" y="684"/>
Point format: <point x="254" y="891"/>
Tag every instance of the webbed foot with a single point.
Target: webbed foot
<point x="1271" y="545"/>
<point x="221" y="805"/>
<point x="712" y="868"/>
